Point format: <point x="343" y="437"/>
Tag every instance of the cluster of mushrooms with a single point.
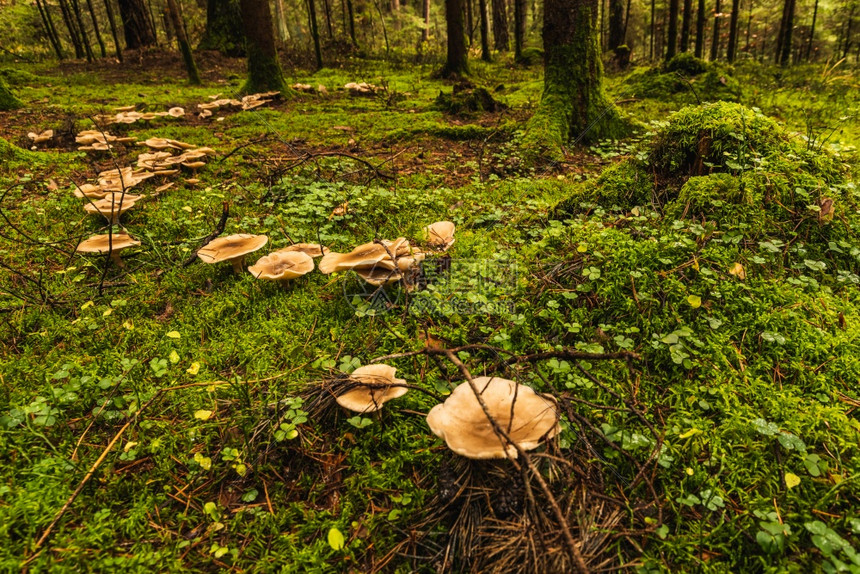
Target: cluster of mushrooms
<point x="248" y="102"/>
<point x="526" y="416"/>
<point x="128" y="115"/>
<point x="378" y="263"/>
<point x="361" y="88"/>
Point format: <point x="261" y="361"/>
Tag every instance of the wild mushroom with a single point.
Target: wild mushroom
<point x="440" y="234"/>
<point x="375" y="386"/>
<point x="378" y="275"/>
<point x="366" y="255"/>
<point x="176" y="112"/>
<point x="282" y="267"/>
<point x="112" y="244"/>
<point x="111" y="207"/>
<point x="232" y="248"/>
<point x="41" y="137"/>
<point x="523" y="414"/>
<point x="312" y="249"/>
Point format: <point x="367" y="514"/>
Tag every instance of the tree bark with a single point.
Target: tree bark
<point x="49" y="29"/>
<point x="136" y="24"/>
<point x="731" y="51"/>
<point x="501" y="38"/>
<point x="848" y="25"/>
<point x="68" y="20"/>
<point x="616" y="23"/>
<point x="672" y="39"/>
<point x="352" y="20"/>
<point x="574" y="104"/>
<point x="653" y="29"/>
<point x="812" y="31"/>
<point x="485" y="31"/>
<point x="264" y="69"/>
<point x="715" y="41"/>
<point x="312" y="15"/>
<point x="519" y="28"/>
<point x="96" y="29"/>
<point x="76" y="8"/>
<point x="786" y="32"/>
<point x="182" y="40"/>
<point x="113" y="30"/>
<point x="456" y="63"/>
<point x="425" y="11"/>
<point x="686" y="21"/>
<point x="700" y="29"/>
<point x="223" y="30"/>
<point x="327" y="11"/>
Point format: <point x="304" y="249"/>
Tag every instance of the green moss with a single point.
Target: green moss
<point x="686" y="77"/>
<point x="624" y="185"/>
<point x="8" y="101"/>
<point x="15" y="77"/>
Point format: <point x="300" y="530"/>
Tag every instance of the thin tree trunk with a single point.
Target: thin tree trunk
<point x="312" y="14"/>
<point x="700" y="29"/>
<point x="812" y="31"/>
<point x="70" y="26"/>
<point x="280" y="22"/>
<point x="749" y="25"/>
<point x="80" y="22"/>
<point x="352" y="21"/>
<point x="384" y="30"/>
<point x="328" y="19"/>
<point x="686" y="22"/>
<point x="715" y="40"/>
<point x="616" y="24"/>
<point x="50" y="30"/>
<point x="113" y="30"/>
<point x="485" y="31"/>
<point x="672" y="40"/>
<point x="653" y="28"/>
<point x="848" y="25"/>
<point x="626" y="21"/>
<point x="264" y="69"/>
<point x="182" y="40"/>
<point x="501" y="38"/>
<point x="519" y="28"/>
<point x="96" y="29"/>
<point x="788" y="31"/>
<point x="733" y="31"/>
<point x="456" y="63"/>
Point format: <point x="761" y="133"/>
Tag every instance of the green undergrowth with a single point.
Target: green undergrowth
<point x="706" y="246"/>
<point x="685" y="78"/>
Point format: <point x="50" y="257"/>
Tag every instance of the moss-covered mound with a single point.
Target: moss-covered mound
<point x="8" y="101"/>
<point x="730" y="165"/>
<point x="466" y="99"/>
<point x="686" y="77"/>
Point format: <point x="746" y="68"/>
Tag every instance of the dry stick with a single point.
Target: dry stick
<point x="572" y="550"/>
<point x="219" y="229"/>
<point x="90" y="474"/>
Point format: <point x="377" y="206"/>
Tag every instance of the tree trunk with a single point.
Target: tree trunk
<point x="749" y="26"/>
<point x="787" y="32"/>
<point x="49" y="29"/>
<point x="485" y="31"/>
<point x="223" y="30"/>
<point x="457" y="63"/>
<point x="96" y="29"/>
<point x="812" y="31"/>
<point x="470" y="25"/>
<point x="352" y="20"/>
<point x="574" y="105"/>
<point x="501" y="38"/>
<point x="653" y="29"/>
<point x="8" y="101"/>
<point x="616" y="23"/>
<point x="327" y="9"/>
<point x="76" y="8"/>
<point x="136" y="24"/>
<point x="848" y="25"/>
<point x="182" y="40"/>
<point x="686" y="21"/>
<point x="264" y="69"/>
<point x="68" y="20"/>
<point x="312" y="15"/>
<point x="672" y="40"/>
<point x="731" y="51"/>
<point x="113" y="30"/>
<point x="715" y="41"/>
<point x="281" y="22"/>
<point x="425" y="10"/>
<point x="519" y="28"/>
<point x="700" y="29"/>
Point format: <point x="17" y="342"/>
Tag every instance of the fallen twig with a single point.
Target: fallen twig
<point x="219" y="229"/>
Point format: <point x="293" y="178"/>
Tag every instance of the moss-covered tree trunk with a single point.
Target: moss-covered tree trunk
<point x="457" y="63"/>
<point x="616" y="23"/>
<point x="223" y="30"/>
<point x="136" y="23"/>
<point x="501" y="38"/>
<point x="264" y="69"/>
<point x="184" y="46"/>
<point x="574" y="105"/>
<point x="8" y="101"/>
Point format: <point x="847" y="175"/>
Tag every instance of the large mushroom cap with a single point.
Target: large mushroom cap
<point x="279" y="266"/>
<point x="312" y="249"/>
<point x="111" y="207"/>
<point x="376" y="385"/>
<point x="365" y="255"/>
<point x="232" y="248"/>
<point x="464" y="426"/>
<point x="105" y="243"/>
<point x="440" y="234"/>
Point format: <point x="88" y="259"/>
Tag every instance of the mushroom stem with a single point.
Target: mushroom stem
<point x="117" y="260"/>
<point x="238" y="264"/>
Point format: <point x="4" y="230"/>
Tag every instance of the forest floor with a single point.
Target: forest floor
<point x="727" y="442"/>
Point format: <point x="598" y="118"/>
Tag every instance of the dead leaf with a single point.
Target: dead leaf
<point x="738" y="271"/>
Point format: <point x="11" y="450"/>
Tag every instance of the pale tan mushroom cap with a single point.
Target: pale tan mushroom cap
<point x="231" y="247"/>
<point x="467" y="431"/>
<point x="365" y="255"/>
<point x="110" y="205"/>
<point x="312" y="249"/>
<point x="280" y="266"/>
<point x="364" y="399"/>
<point x="440" y="234"/>
<point x="104" y="243"/>
<point x="378" y="275"/>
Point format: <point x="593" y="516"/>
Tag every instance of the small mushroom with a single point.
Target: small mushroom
<point x="283" y="267"/>
<point x="523" y="414"/>
<point x="376" y="385"/>
<point x="232" y="248"/>
<point x="176" y="112"/>
<point x="311" y="249"/>
<point x="111" y="207"/>
<point x="41" y="137"/>
<point x="440" y="235"/>
<point x="112" y="244"/>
